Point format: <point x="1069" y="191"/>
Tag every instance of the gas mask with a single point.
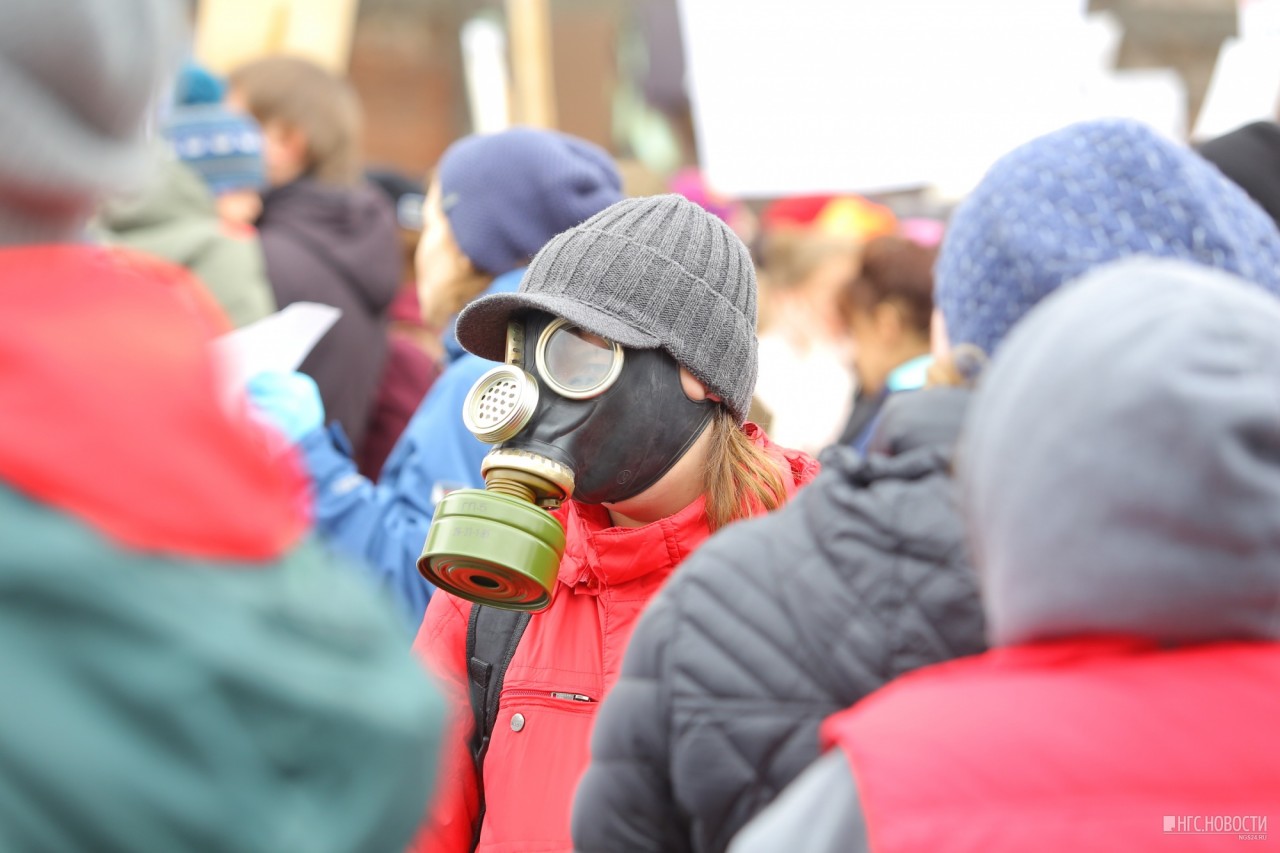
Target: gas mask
<point x="570" y="415"/>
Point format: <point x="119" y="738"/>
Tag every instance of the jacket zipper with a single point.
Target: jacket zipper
<point x="573" y="697"/>
<point x="554" y="694"/>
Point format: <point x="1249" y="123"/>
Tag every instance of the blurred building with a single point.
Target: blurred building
<point x="615" y="71"/>
<point x="407" y="63"/>
<point x="1181" y="34"/>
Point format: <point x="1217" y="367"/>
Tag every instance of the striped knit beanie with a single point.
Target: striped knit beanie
<point x="224" y="147"/>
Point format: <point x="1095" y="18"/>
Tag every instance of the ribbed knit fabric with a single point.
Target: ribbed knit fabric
<point x="506" y="194"/>
<point x="647" y="272"/>
<point x="1077" y="198"/>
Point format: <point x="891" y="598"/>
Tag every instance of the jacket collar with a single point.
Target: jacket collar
<point x="508" y="282"/>
<point x="599" y="553"/>
<point x="931" y="417"/>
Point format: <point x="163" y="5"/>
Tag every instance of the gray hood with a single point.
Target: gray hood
<point x="1121" y="461"/>
<point x="77" y="78"/>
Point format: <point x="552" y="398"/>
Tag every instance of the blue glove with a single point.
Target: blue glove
<point x="289" y="401"/>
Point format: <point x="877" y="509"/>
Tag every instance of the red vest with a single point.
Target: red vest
<point x="1075" y="745"/>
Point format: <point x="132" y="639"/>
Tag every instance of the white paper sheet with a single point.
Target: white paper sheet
<point x="276" y="343"/>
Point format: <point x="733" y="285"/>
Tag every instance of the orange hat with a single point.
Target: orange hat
<point x="855" y="217"/>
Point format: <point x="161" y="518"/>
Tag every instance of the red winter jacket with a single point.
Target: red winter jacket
<point x="131" y="438"/>
<point x="1102" y="744"/>
<point x="574" y="647"/>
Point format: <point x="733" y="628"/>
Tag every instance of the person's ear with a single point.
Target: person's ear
<point x="294" y="140"/>
<point x="694" y="388"/>
<point x="939" y="341"/>
<point x="959" y="368"/>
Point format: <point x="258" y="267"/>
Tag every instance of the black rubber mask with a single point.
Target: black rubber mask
<point x="617" y="418"/>
<point x="571" y="415"/>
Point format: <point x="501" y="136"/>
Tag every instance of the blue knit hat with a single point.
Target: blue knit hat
<point x="222" y="146"/>
<point x="508" y="193"/>
<point x="198" y="85"/>
<point x="1075" y="199"/>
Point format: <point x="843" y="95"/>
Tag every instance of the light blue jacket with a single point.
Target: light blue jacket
<point x="384" y="524"/>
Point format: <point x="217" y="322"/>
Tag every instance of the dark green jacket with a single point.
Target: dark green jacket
<point x="155" y="704"/>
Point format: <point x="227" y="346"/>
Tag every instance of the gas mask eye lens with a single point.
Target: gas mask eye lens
<point x="576" y="363"/>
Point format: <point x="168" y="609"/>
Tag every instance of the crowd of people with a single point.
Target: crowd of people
<point x="606" y="521"/>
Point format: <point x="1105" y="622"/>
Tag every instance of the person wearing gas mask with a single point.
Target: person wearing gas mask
<point x="495" y="200"/>
<point x="618" y="419"/>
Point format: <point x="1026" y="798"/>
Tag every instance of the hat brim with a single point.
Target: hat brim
<point x="482" y="325"/>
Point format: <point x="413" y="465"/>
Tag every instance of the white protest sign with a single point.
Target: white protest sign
<point x="816" y="96"/>
<point x="1245" y="86"/>
<point x="1259" y="19"/>
<point x="1154" y="96"/>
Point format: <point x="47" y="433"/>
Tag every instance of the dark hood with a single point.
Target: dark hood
<point x="1121" y="463"/>
<point x="352" y="229"/>
<point x="1250" y="156"/>
<point x="78" y="81"/>
<point x="927" y="418"/>
<point x="916" y="434"/>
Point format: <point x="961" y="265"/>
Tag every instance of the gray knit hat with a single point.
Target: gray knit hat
<point x="78" y="80"/>
<point x="645" y="272"/>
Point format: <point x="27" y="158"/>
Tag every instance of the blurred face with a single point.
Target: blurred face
<point x="239" y="206"/>
<point x="447" y="280"/>
<point x="284" y="151"/>
<point x="884" y="342"/>
<point x="875" y="342"/>
<point x="819" y="291"/>
<point x="827" y="280"/>
<point x="284" y="147"/>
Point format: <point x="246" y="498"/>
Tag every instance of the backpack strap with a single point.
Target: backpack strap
<point x="492" y="637"/>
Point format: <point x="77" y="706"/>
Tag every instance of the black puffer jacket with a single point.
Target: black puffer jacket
<point x="772" y="626"/>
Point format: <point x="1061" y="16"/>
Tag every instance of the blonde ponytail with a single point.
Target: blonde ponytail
<point x="741" y="479"/>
